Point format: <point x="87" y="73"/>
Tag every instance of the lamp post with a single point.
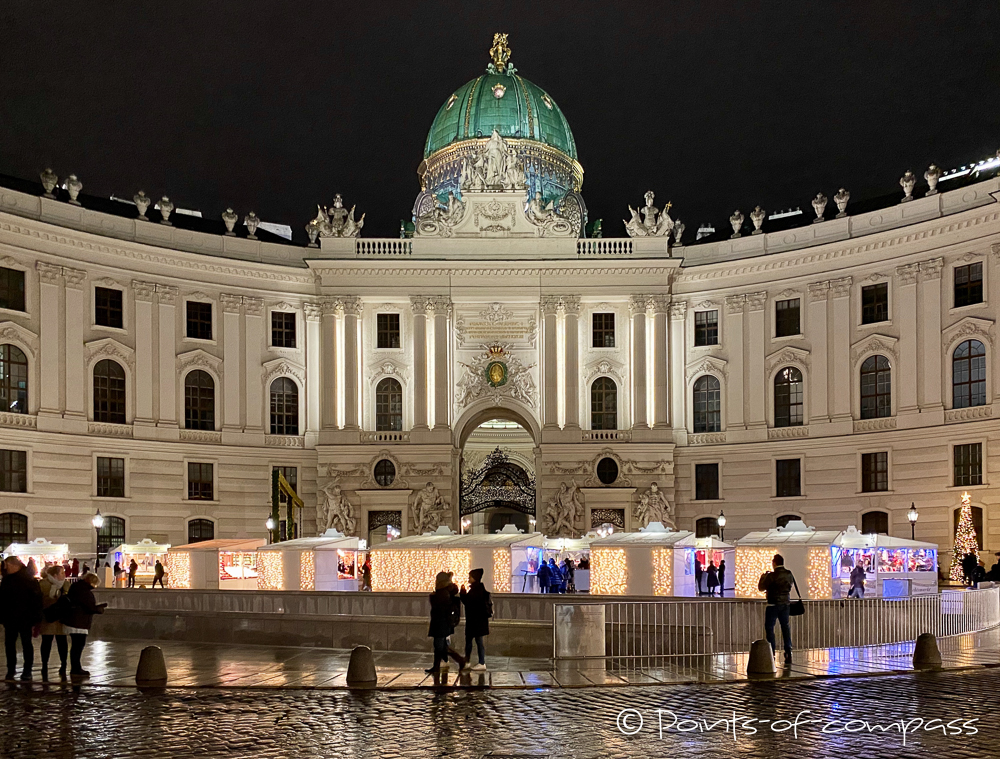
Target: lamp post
<point x="466" y="523"/>
<point x="721" y="519"/>
<point x="532" y="522"/>
<point x="269" y="524"/>
<point x="98" y="522"/>
<point x="912" y="515"/>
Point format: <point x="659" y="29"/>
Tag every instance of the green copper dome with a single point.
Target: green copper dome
<point x="503" y="101"/>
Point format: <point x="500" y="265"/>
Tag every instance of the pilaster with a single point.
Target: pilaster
<point x="549" y="373"/>
<point x="144" y="293"/>
<point x="819" y="327"/>
<point x="906" y="292"/>
<point x="930" y="339"/>
<point x="232" y="350"/>
<point x="661" y="385"/>
<point x="76" y="318"/>
<point x="637" y="308"/>
<point x="571" y="362"/>
<point x="314" y="369"/>
<point x="329" y="350"/>
<point x="419" y="306"/>
<point x="678" y="314"/>
<point x="50" y="283"/>
<point x="734" y="330"/>
<point x="441" y="307"/>
<point x="840" y="290"/>
<point x="757" y="348"/>
<point x="166" y="296"/>
<point x="253" y="318"/>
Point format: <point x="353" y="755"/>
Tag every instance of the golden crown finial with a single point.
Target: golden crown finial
<point x="500" y="52"/>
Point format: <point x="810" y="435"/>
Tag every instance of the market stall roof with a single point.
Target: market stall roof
<point x="569" y="544"/>
<point x="793" y="533"/>
<point x="447" y="539"/>
<point x="329" y="539"/>
<point x="222" y="544"/>
<point x="37" y="547"/>
<point x="143" y="546"/>
<point x="711" y="543"/>
<point x="655" y="534"/>
<point x="852" y="538"/>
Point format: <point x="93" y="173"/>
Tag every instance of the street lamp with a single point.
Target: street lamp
<point x="269" y="524"/>
<point x="98" y="522"/>
<point x="531" y="523"/>
<point x="912" y="515"/>
<point x="721" y="519"/>
<point x="466" y="524"/>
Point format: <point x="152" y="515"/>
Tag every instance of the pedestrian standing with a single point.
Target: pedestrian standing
<point x="857" y="582"/>
<point x="969" y="562"/>
<point x="32" y="567"/>
<point x="366" y="574"/>
<point x="132" y="569"/>
<point x="54" y="586"/>
<point x="777" y="586"/>
<point x="117" y="572"/>
<point x="158" y="572"/>
<point x="697" y="575"/>
<point x="21" y="609"/>
<point x="478" y="609"/>
<point x="77" y="622"/>
<point x="713" y="578"/>
<point x="445" y="607"/>
<point x="555" y="577"/>
<point x="722" y="577"/>
<point x="543" y="576"/>
<point x="569" y="572"/>
<point x="75" y="569"/>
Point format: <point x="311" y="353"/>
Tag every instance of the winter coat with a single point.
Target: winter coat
<point x="969" y="564"/>
<point x="722" y="572"/>
<point x="132" y="568"/>
<point x="544" y="575"/>
<point x="713" y="576"/>
<point x="478" y="609"/>
<point x="777" y="585"/>
<point x="83" y="606"/>
<point x="47" y="583"/>
<point x="20" y="599"/>
<point x="445" y="606"/>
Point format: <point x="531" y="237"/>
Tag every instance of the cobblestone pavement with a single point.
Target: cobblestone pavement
<point x="582" y="723"/>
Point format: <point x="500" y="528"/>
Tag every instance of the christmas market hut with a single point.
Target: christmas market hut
<point x="226" y="564"/>
<point x="39" y="549"/>
<point x="656" y="561"/>
<point x="146" y="553"/>
<point x="893" y="567"/>
<point x="807" y="553"/>
<point x="327" y="562"/>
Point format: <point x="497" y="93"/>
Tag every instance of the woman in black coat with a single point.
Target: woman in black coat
<point x="478" y="610"/>
<point x="83" y="606"/>
<point x="446" y="611"/>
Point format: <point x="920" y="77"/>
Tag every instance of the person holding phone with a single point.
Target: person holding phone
<point x="83" y="606"/>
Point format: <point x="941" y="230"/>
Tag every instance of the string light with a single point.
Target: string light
<point x="751" y="563"/>
<point x="307" y="570"/>
<point x="818" y="561"/>
<point x="179" y="567"/>
<point x="608" y="571"/>
<point x="416" y="570"/>
<point x="965" y="540"/>
<point x="271" y="573"/>
<point x="237" y="565"/>
<point x="501" y="570"/>
<point x="663" y="571"/>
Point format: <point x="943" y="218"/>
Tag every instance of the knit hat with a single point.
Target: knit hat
<point x="443" y="580"/>
<point x="477" y="575"/>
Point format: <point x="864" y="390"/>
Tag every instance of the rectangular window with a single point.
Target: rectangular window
<point x="387" y="330"/>
<point x="200" y="484"/>
<point x="706" y="482"/>
<point x="874" y="472"/>
<point x="706" y="328"/>
<point x="199" y="320"/>
<point x="786" y="318"/>
<point x="968" y="464"/>
<point x="788" y="477"/>
<point x="110" y="477"/>
<point x="291" y="475"/>
<point x="604" y="330"/>
<point x="11" y="289"/>
<point x="282" y="329"/>
<point x="108" y="307"/>
<point x="875" y="303"/>
<point x="968" y="284"/>
<point x="14" y="471"/>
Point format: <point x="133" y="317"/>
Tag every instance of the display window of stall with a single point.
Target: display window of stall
<point x="237" y="565"/>
<point x="846" y="559"/>
<point x="346" y="564"/>
<point x="922" y="560"/>
<point x="892" y="560"/>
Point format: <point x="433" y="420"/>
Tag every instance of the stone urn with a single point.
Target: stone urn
<point x="841" y="199"/>
<point x="142" y="202"/>
<point x="907" y="182"/>
<point x="757" y="216"/>
<point x="252" y="223"/>
<point x="313" y="231"/>
<point x="49" y="182"/>
<point x="73" y="187"/>
<point x="229" y="218"/>
<point x="736" y="222"/>
<point x="932" y="175"/>
<point x="819" y="206"/>
<point x="166" y="208"/>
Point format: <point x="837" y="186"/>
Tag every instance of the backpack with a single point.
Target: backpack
<point x="489" y="605"/>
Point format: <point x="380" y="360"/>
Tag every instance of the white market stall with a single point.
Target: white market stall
<point x="894" y="567"/>
<point x="509" y="559"/>
<point x="711" y="550"/>
<point x="656" y="561"/>
<point x="327" y="562"/>
<point x="226" y="564"/>
<point x="39" y="549"/>
<point x="560" y="549"/>
<point x="146" y="553"/>
<point x="806" y="553"/>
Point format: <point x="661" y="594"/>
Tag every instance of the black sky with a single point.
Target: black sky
<point x="275" y="106"/>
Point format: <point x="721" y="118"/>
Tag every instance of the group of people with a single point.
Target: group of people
<point x="714" y="577"/>
<point x="70" y="568"/>
<point x="974" y="570"/>
<point x="54" y="608"/>
<point x="555" y="579"/>
<point x="447" y="602"/>
<point x="159" y="572"/>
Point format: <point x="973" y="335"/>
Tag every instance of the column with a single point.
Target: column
<point x="329" y="351"/>
<point x="314" y="367"/>
<point x="50" y="282"/>
<point x="550" y="363"/>
<point x="756" y="347"/>
<point x="678" y="312"/>
<point x="419" y="306"/>
<point x="818" y="326"/>
<point x="637" y="308"/>
<point x="843" y="380"/>
<point x="167" y="333"/>
<point x="76" y="318"/>
<point x="442" y="383"/>
<point x="661" y="385"/>
<point x="930" y="325"/>
<point x="144" y="293"/>
<point x="906" y="309"/>
<point x="232" y="372"/>
<point x="352" y="360"/>
<point x="734" y="337"/>
<point x="253" y="315"/>
<point x="571" y="362"/>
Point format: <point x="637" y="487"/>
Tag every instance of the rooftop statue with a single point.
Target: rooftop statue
<point x="442" y="217"/>
<point x="653" y="223"/>
<point x="564" y="512"/>
<point x="494" y="166"/>
<point x="546" y="218"/>
<point x="429" y="509"/>
<point x="334" y="510"/>
<point x="336" y="221"/>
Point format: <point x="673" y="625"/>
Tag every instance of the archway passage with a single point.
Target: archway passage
<point x="497" y="484"/>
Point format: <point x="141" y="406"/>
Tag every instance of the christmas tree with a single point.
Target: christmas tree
<point x="965" y="539"/>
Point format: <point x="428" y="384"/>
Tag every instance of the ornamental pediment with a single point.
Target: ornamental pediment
<point x="874" y="344"/>
<point x="11" y="332"/>
<point x="108" y="347"/>
<point x="971" y="327"/>
<point x="282" y="367"/>
<point x="199" y="359"/>
<point x="786" y="355"/>
<point x="707" y="365"/>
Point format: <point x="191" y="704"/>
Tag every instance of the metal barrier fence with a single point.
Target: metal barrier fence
<point x="682" y="627"/>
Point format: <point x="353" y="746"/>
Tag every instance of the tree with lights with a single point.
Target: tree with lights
<point x="965" y="539"/>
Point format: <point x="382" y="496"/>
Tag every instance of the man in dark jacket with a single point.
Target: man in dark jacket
<point x="21" y="607"/>
<point x="778" y="587"/>
<point x="478" y="610"/>
<point x="132" y="569"/>
<point x="446" y="611"/>
<point x="158" y="572"/>
<point x="544" y="577"/>
<point x="969" y="563"/>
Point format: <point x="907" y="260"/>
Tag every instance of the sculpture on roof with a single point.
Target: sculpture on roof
<point x="547" y="219"/>
<point x="564" y="512"/>
<point x="653" y="223"/>
<point x="493" y="166"/>
<point x="336" y="221"/>
<point x="334" y="511"/>
<point x="442" y="217"/>
<point x="429" y="509"/>
<point x="653" y="506"/>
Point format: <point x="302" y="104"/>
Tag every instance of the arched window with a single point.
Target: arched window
<point x="388" y="405"/>
<point x="784" y="519"/>
<point x="788" y="397"/>
<point x="876" y="388"/>
<point x="604" y="404"/>
<point x="200" y="529"/>
<point x="13" y="380"/>
<point x="111" y="534"/>
<point x="284" y="407"/>
<point x="706" y="527"/>
<point x="109" y="392"/>
<point x="199" y="401"/>
<point x="875" y="522"/>
<point x="968" y="375"/>
<point x="13" y="528"/>
<point x="707" y="404"/>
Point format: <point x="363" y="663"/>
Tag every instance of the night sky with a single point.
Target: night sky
<point x="275" y="106"/>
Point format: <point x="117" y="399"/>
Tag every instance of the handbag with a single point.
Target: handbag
<point x="58" y="610"/>
<point x="796" y="608"/>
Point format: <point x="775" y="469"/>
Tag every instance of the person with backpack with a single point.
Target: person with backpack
<point x="478" y="610"/>
<point x="54" y="602"/>
<point x="777" y="585"/>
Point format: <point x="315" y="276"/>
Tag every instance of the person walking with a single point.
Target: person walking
<point x="366" y="575"/>
<point x="544" y="576"/>
<point x="446" y="610"/>
<point x="713" y="578"/>
<point x="478" y="609"/>
<point x="54" y="586"/>
<point x="777" y="585"/>
<point x="722" y="577"/>
<point x="857" y="582"/>
<point x="132" y="569"/>
<point x="21" y="610"/>
<point x="158" y="572"/>
<point x="77" y="621"/>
